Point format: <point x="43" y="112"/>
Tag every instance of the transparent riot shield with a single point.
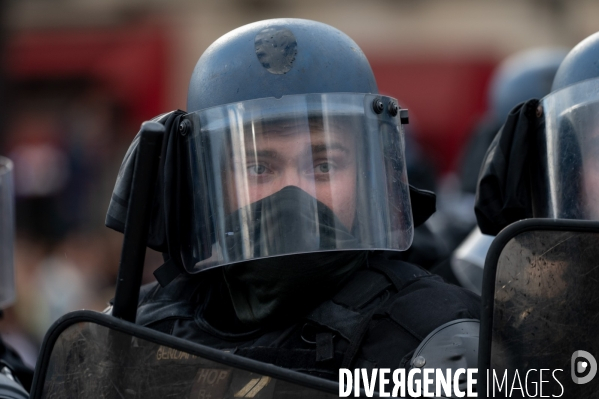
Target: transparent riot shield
<point x="92" y="355"/>
<point x="539" y="327"/>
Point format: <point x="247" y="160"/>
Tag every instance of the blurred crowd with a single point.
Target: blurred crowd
<point x="66" y="139"/>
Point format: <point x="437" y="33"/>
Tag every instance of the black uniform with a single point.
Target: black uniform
<point x="375" y="320"/>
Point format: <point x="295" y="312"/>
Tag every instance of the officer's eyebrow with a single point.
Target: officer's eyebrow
<point x="271" y="154"/>
<point x="314" y="149"/>
<point x="319" y="148"/>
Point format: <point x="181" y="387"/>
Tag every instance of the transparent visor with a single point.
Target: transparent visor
<point x="299" y="174"/>
<point x="7" y="231"/>
<point x="567" y="181"/>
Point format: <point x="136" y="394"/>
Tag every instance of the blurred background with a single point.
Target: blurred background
<point x="77" y="78"/>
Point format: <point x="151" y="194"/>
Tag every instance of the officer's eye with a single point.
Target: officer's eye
<point x="256" y="170"/>
<point x="323" y="168"/>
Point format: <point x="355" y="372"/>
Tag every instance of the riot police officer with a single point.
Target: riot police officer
<point x="553" y="141"/>
<point x="543" y="165"/>
<point x="281" y="193"/>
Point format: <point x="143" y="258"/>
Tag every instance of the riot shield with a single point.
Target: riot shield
<point x="540" y="315"/>
<point x="92" y="355"/>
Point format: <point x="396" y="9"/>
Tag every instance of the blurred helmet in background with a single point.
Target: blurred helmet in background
<point x="524" y="75"/>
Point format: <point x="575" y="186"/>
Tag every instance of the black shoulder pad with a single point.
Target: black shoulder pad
<point x="364" y="286"/>
<point x="400" y="273"/>
<point x="429" y="302"/>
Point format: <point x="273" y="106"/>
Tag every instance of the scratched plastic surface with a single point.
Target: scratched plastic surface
<point x="92" y="361"/>
<point x="546" y="308"/>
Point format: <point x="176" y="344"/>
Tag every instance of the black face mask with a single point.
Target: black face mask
<point x="289" y="221"/>
<point x="270" y="289"/>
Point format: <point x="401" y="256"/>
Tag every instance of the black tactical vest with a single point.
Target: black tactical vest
<point x="375" y="321"/>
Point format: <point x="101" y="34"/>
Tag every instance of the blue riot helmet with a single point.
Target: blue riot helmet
<point x="567" y="180"/>
<point x="276" y="58"/>
<point x="292" y="150"/>
<point x="287" y="148"/>
<point x="553" y="140"/>
<point x="580" y="64"/>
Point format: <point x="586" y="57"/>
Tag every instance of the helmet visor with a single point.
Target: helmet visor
<point x="298" y="174"/>
<point x="7" y="231"/>
<point x="569" y="154"/>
